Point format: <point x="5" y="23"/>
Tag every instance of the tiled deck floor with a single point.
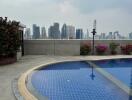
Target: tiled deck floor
<point x="9" y="72"/>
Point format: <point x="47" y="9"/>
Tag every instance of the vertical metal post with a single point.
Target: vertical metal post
<point x="94" y="32"/>
<point x="93" y="44"/>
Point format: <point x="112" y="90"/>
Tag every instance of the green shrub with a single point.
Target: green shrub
<point x="113" y="46"/>
<point x="126" y="49"/>
<point x="85" y="49"/>
<point x="9" y="37"/>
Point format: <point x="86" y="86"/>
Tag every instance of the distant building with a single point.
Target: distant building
<point x="71" y="32"/>
<point x="43" y="33"/>
<point x="50" y="33"/>
<point x="130" y="35"/>
<point x="103" y="36"/>
<point x="116" y="35"/>
<point x="110" y="36"/>
<point x="79" y="34"/>
<point x="36" y="32"/>
<point x="54" y="31"/>
<point x="64" y="32"/>
<point x="87" y="35"/>
<point x="27" y="34"/>
<point x="97" y="37"/>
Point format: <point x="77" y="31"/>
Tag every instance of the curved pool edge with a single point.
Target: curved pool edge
<point x="27" y="95"/>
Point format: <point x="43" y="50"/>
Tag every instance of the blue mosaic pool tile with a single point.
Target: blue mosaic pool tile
<point x="72" y="81"/>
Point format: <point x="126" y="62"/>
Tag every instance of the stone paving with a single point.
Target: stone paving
<point x="9" y="72"/>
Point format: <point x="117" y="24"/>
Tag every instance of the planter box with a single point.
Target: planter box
<point x="7" y="60"/>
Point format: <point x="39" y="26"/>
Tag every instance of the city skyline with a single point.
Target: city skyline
<point x="110" y="15"/>
<point x="55" y="31"/>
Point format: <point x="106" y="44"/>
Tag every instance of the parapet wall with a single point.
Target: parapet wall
<point x="51" y="47"/>
<point x="63" y="47"/>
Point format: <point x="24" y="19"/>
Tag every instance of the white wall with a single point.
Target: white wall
<point x="63" y="47"/>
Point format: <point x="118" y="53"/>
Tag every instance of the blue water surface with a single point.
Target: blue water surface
<point x="73" y="81"/>
<point x="119" y="68"/>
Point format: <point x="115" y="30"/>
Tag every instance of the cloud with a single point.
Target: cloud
<point x="111" y="15"/>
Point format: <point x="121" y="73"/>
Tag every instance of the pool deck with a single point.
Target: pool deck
<point x="9" y="72"/>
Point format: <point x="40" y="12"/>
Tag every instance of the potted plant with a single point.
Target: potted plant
<point x="113" y="46"/>
<point x="123" y="49"/>
<point x="101" y="49"/>
<point x="126" y="49"/>
<point x="85" y="49"/>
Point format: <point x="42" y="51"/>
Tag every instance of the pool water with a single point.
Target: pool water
<point x="119" y="68"/>
<point x="74" y="81"/>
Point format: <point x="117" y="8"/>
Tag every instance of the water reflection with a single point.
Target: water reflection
<point x="92" y="74"/>
<point x="130" y="95"/>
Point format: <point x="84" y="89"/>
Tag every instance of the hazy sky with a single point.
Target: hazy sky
<point x="111" y="15"/>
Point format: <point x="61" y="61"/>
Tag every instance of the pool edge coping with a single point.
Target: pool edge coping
<point x="25" y="93"/>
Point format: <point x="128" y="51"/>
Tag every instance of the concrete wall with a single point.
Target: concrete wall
<point x="63" y="47"/>
<point x="51" y="47"/>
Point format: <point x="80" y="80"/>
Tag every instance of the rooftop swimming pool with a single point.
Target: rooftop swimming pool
<point x="119" y="68"/>
<point x="79" y="81"/>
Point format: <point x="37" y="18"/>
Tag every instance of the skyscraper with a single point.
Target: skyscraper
<point x="110" y="35"/>
<point x="43" y="33"/>
<point x="50" y="33"/>
<point x="130" y="35"/>
<point x="54" y="31"/>
<point x="86" y="35"/>
<point x="71" y="32"/>
<point x="36" y="32"/>
<point x="27" y="34"/>
<point x="116" y="35"/>
<point x="79" y="34"/>
<point x="64" y="32"/>
<point x="103" y="36"/>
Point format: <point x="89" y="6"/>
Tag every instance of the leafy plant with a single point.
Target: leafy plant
<point x="101" y="49"/>
<point x="113" y="46"/>
<point x="85" y="49"/>
<point x="126" y="49"/>
<point x="9" y="37"/>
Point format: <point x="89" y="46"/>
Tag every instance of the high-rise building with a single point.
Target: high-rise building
<point x="54" y="31"/>
<point x="102" y="36"/>
<point x="27" y="34"/>
<point x="79" y="34"/>
<point x="50" y="33"/>
<point x="110" y="35"/>
<point x="43" y="33"/>
<point x="36" y="32"/>
<point x="57" y="31"/>
<point x="88" y="34"/>
<point x="116" y="35"/>
<point x="130" y="35"/>
<point x="71" y="32"/>
<point x="64" y="32"/>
